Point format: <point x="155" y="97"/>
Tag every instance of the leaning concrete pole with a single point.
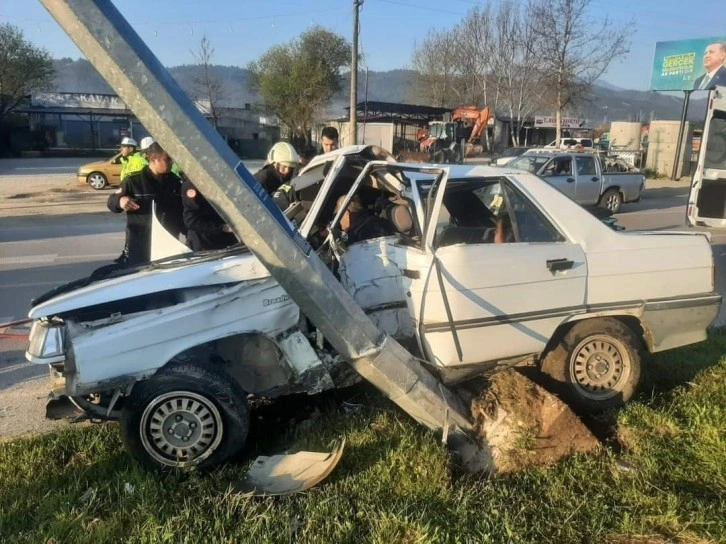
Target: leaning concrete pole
<point x="129" y="66"/>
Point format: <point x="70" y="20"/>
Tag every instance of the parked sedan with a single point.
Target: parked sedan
<point x="101" y="174"/>
<point x="510" y="154"/>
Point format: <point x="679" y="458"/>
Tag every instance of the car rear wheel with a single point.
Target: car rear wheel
<point x="596" y="366"/>
<point x="611" y="200"/>
<point x="185" y="415"/>
<point x="97" y="180"/>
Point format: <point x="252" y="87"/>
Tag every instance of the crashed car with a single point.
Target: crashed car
<point x="481" y="269"/>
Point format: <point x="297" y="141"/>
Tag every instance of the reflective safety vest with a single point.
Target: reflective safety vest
<point x="132" y="164"/>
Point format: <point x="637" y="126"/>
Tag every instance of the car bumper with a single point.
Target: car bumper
<point x="82" y="178"/>
<point x="681" y="321"/>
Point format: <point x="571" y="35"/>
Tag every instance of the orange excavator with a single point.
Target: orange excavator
<point x="445" y="142"/>
<point x="480" y="116"/>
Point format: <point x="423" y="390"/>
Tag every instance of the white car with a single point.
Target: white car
<point x="479" y="268"/>
<point x="587" y="144"/>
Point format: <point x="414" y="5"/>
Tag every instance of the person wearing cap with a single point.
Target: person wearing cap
<point x="281" y="163"/>
<point x="139" y="192"/>
<point x="131" y="160"/>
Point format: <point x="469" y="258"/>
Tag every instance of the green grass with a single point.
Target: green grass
<point x="394" y="484"/>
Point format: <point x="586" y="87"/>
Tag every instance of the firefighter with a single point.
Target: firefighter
<point x="280" y="167"/>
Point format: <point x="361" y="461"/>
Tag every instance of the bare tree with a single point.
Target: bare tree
<point x="434" y="61"/>
<point x="516" y="73"/>
<point x="573" y="49"/>
<point x="207" y="87"/>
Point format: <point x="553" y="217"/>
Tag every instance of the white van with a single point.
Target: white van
<point x="570" y="143"/>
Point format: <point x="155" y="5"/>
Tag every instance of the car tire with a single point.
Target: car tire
<point x="596" y="366"/>
<point x="97" y="180"/>
<point x="611" y="200"/>
<point x="185" y="415"/>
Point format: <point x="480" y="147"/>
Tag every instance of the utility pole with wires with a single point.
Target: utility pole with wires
<point x="354" y="75"/>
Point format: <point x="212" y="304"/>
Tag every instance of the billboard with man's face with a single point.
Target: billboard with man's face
<point x="696" y="64"/>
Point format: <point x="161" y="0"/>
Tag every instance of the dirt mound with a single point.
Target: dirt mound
<point x="526" y="426"/>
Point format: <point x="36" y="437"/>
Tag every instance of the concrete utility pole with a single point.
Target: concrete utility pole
<point x="127" y="64"/>
<point x="354" y="75"/>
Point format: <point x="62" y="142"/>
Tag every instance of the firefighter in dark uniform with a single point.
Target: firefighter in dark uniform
<point x="205" y="227"/>
<point x="282" y="160"/>
<point x="154" y="184"/>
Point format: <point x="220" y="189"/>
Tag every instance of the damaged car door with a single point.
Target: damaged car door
<point x="501" y="275"/>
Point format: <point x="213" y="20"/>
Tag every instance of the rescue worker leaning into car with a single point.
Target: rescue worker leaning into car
<point x="139" y="192"/>
<point x="282" y="160"/>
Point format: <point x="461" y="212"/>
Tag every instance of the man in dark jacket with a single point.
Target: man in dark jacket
<point x="205" y="227"/>
<point x="153" y="185"/>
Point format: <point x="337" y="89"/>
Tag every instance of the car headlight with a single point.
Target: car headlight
<point x="46" y="343"/>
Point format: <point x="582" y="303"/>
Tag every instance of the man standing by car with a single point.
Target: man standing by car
<point x="153" y="185"/>
<point x="131" y="160"/>
<point x="329" y="139"/>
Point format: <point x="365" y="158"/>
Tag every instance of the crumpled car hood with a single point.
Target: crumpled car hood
<point x="153" y="279"/>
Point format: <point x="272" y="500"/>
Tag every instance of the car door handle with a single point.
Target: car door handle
<point x="595" y="178"/>
<point x="413" y="274"/>
<point x="570" y="180"/>
<point x="555" y="265"/>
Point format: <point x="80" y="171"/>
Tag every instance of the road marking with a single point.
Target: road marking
<point x="29" y="259"/>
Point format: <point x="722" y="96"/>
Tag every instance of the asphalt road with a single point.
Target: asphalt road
<point x="53" y="231"/>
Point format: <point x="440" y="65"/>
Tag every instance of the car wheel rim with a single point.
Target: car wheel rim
<point x="612" y="203"/>
<point x="599" y="367"/>
<point x="181" y="428"/>
<point x="97" y="182"/>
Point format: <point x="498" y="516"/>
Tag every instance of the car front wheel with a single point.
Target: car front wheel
<point x="97" y="180"/>
<point x="185" y="415"/>
<point x="596" y="366"/>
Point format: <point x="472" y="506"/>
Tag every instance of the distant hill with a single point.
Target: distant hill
<point x="608" y="102"/>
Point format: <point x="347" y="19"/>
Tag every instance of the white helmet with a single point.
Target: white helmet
<point x="283" y="153"/>
<point x="146" y="143"/>
<point x="128" y="141"/>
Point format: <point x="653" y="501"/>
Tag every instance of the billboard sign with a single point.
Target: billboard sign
<point x="565" y="122"/>
<point x="689" y="64"/>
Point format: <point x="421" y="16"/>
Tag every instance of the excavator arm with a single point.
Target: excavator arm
<point x="480" y="116"/>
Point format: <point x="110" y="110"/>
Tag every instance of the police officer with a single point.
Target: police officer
<point x="154" y="184"/>
<point x="131" y="160"/>
<point x="281" y="163"/>
<point x="205" y="227"/>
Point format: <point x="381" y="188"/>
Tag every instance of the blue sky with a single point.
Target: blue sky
<point x="241" y="30"/>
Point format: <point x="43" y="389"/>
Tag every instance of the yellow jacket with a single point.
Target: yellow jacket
<point x="132" y="164"/>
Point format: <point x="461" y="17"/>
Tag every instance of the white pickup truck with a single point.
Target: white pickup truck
<point x="584" y="177"/>
<point x="484" y="268"/>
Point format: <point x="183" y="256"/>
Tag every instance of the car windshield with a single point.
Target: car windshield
<point x="529" y="163"/>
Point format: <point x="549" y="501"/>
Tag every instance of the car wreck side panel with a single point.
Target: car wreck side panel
<point x="373" y="273"/>
<point x="141" y="344"/>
